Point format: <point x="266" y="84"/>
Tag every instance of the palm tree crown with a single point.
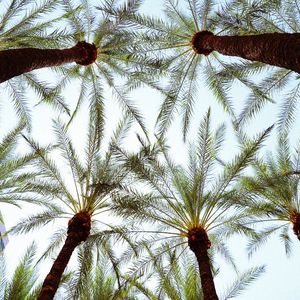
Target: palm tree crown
<point x="115" y="62"/>
<point x="274" y="188"/>
<point x="92" y="38"/>
<point x="252" y="17"/>
<point x="190" y="206"/>
<point x="94" y="181"/>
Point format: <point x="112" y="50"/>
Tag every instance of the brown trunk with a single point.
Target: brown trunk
<point x="199" y="243"/>
<point x="15" y="62"/>
<point x="78" y="231"/>
<point x="295" y="219"/>
<point x="277" y="49"/>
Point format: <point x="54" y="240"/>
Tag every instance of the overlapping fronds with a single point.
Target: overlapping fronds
<point x="255" y="17"/>
<point x="116" y="62"/>
<point x="13" y="173"/>
<point x="274" y="189"/>
<point x="178" y="199"/>
<point x="171" y="40"/>
<point x="23" y="283"/>
<point x="26" y="24"/>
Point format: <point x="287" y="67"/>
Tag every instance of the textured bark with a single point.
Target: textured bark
<point x="15" y="62"/>
<point x="78" y="231"/>
<point x="277" y="49"/>
<point x="295" y="219"/>
<point x="199" y="243"/>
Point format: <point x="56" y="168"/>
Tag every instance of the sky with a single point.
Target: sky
<point x="281" y="279"/>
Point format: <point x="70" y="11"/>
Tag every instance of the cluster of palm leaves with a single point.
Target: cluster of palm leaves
<point x="142" y="225"/>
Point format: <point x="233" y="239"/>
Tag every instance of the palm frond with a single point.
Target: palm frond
<point x="243" y="281"/>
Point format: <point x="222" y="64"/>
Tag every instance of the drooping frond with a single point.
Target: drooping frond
<point x="243" y="281"/>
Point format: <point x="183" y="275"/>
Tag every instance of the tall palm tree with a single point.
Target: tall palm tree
<point x="274" y="188"/>
<point x="115" y="63"/>
<point x="19" y="52"/>
<point x="15" y="62"/>
<point x="252" y="17"/>
<point x="177" y="39"/>
<point x="191" y="208"/>
<point x="92" y="38"/>
<point x="274" y="48"/>
<point x="27" y="25"/>
<point x="93" y="182"/>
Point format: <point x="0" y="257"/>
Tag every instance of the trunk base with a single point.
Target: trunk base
<point x="198" y="42"/>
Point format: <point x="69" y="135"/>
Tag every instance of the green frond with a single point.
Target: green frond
<point x="56" y="240"/>
<point x="261" y="238"/>
<point x="286" y="240"/>
<point x="80" y="285"/>
<point x="219" y="90"/>
<point x="23" y="278"/>
<point x="16" y="90"/>
<point x="243" y="281"/>
<point x="35" y="221"/>
<point x="3" y="275"/>
<point x="49" y="95"/>
<point x="240" y="162"/>
<point x="287" y="113"/>
<point x="9" y="140"/>
<point x="224" y="252"/>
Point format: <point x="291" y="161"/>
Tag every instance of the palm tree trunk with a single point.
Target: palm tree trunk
<point x="15" y="62"/>
<point x="78" y="231"/>
<point x="295" y="219"/>
<point x="199" y="243"/>
<point x="277" y="49"/>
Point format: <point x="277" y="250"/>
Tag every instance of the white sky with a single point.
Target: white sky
<point x="281" y="281"/>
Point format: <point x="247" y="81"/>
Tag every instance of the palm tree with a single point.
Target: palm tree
<point x="27" y="25"/>
<point x="94" y="180"/>
<point x="191" y="208"/>
<point x="274" y="188"/>
<point x="19" y="52"/>
<point x="116" y="58"/>
<point x="276" y="48"/>
<point x="15" y="62"/>
<point x="101" y="45"/>
<point x="177" y="39"/>
<point x="252" y="17"/>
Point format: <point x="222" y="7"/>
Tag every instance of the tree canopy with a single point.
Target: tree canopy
<point x="137" y="187"/>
